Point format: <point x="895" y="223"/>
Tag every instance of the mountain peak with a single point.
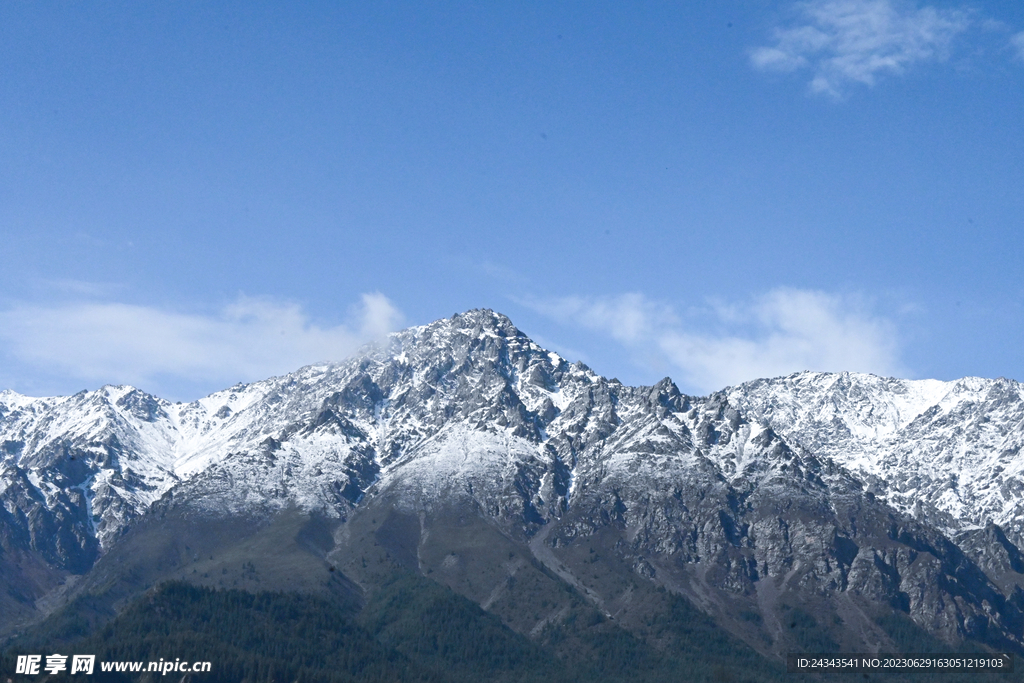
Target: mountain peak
<point x="468" y="413"/>
<point x="479" y="321"/>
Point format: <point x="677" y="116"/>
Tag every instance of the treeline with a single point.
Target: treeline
<point x="258" y="638"/>
<point x="411" y="630"/>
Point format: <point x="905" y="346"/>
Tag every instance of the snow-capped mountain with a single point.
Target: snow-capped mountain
<point x="948" y="451"/>
<point x="846" y="495"/>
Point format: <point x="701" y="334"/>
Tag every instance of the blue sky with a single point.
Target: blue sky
<point x="197" y="194"/>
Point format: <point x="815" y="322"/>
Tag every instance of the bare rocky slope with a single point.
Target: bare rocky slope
<point x="835" y="505"/>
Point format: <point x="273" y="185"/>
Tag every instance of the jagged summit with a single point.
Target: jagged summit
<point x="477" y="369"/>
<point x="841" y="483"/>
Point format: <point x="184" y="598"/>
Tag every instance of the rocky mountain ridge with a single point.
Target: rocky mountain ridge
<point x="843" y="495"/>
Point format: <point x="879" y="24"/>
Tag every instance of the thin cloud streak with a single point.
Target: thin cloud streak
<point x="784" y="331"/>
<point x="845" y="42"/>
<point x="250" y="339"/>
<point x="1017" y="41"/>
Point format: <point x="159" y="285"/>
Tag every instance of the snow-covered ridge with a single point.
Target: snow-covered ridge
<point x="954" y="446"/>
<point x="124" y="448"/>
<point x="471" y="399"/>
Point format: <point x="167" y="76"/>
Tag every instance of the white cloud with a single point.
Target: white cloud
<point x="855" y="41"/>
<point x="784" y="331"/>
<point x="794" y="330"/>
<point x="629" y="318"/>
<point x="250" y="339"/>
<point x="1017" y="41"/>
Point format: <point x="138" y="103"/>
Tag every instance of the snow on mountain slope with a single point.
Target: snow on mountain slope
<point x="323" y="436"/>
<point x="946" y="451"/>
<point x="823" y="484"/>
<point x="317" y="437"/>
<point x="123" y="448"/>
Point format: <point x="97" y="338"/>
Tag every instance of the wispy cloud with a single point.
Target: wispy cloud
<point x="248" y="340"/>
<point x="81" y="288"/>
<point x="844" y="42"/>
<point x="1017" y="41"/>
<point x="628" y="318"/>
<point x="784" y="331"/>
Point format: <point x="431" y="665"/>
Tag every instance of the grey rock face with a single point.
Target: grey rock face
<point x="845" y="496"/>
